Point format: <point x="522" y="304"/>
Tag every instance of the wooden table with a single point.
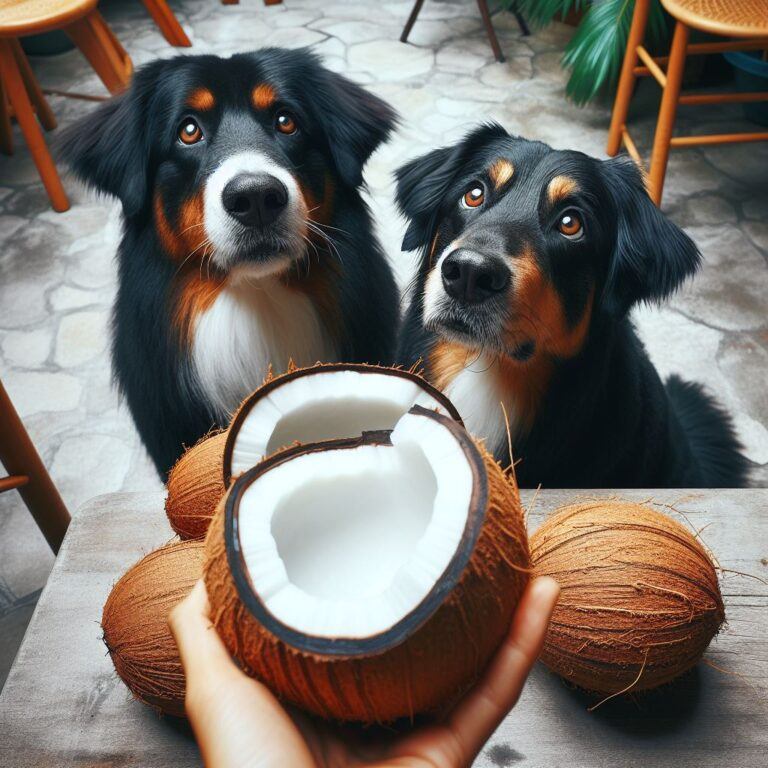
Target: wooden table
<point x="63" y="705"/>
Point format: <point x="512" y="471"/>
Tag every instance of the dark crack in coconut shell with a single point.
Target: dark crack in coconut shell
<point x="323" y="402"/>
<point x="393" y="664"/>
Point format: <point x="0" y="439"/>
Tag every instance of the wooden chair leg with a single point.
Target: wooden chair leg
<point x="489" y="30"/>
<point x="667" y="112"/>
<point x="19" y="457"/>
<point x="272" y="2"/>
<point x="44" y="113"/>
<point x="6" y="132"/>
<point x="230" y="2"/>
<point x="99" y="45"/>
<point x="25" y="116"/>
<point x="167" y="22"/>
<point x="411" y="20"/>
<point x="627" y="78"/>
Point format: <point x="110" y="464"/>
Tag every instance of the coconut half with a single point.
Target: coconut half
<point x="304" y="405"/>
<point x="378" y="573"/>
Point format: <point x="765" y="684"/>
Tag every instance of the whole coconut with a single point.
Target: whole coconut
<point x="639" y="599"/>
<point x="135" y="624"/>
<point x="417" y="662"/>
<point x="195" y="486"/>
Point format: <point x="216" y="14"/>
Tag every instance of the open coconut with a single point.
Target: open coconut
<point x="369" y="578"/>
<point x="304" y="405"/>
<point x="135" y="624"/>
<point x="639" y="600"/>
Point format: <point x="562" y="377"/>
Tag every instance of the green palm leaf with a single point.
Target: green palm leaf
<point x="596" y="51"/>
<point x="539" y="13"/>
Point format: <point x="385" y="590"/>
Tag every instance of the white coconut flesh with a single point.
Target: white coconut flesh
<point x="324" y="405"/>
<point x="347" y="542"/>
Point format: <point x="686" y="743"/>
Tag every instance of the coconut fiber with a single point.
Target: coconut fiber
<point x="434" y="665"/>
<point x="195" y="487"/>
<point x="640" y="600"/>
<point x="135" y="624"/>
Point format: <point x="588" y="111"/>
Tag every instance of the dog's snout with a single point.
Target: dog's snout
<point x="255" y="199"/>
<point x="472" y="278"/>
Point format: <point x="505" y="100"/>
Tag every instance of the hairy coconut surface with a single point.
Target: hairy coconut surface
<point x="323" y="401"/>
<point x="439" y="649"/>
<point x="195" y="487"/>
<point x="639" y="599"/>
<point x="135" y="624"/>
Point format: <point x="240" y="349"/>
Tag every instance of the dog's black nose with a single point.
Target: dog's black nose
<point x="473" y="278"/>
<point x="254" y="199"/>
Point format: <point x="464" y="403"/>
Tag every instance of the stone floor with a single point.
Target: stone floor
<point x="57" y="273"/>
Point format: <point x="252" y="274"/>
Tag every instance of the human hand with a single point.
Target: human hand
<point x="238" y="723"/>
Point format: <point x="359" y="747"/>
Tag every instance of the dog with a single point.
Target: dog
<point x="531" y="259"/>
<point x="246" y="242"/>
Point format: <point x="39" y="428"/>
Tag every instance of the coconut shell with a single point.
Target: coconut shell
<point x="200" y="477"/>
<point x="639" y="599"/>
<point x="431" y="668"/>
<point x="135" y="624"/>
<point x="195" y="487"/>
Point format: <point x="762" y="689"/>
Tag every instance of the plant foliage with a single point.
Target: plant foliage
<point x="596" y="51"/>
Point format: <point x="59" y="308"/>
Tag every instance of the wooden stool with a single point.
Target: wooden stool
<point x="743" y="19"/>
<point x="487" y="23"/>
<point x="20" y="94"/>
<point x="29" y="476"/>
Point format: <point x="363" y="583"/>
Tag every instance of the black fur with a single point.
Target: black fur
<point x="605" y="419"/>
<point x="129" y="148"/>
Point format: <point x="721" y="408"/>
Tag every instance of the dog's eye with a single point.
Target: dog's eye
<point x="474" y="197"/>
<point x="285" y="123"/>
<point x="189" y="131"/>
<point x="570" y="225"/>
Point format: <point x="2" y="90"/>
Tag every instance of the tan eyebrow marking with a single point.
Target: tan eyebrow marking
<point x="201" y="99"/>
<point x="263" y="96"/>
<point x="501" y="172"/>
<point x="559" y="188"/>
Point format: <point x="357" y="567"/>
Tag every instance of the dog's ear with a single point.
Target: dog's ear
<point x="421" y="186"/>
<point x="651" y="256"/>
<point x="355" y="121"/>
<point x="109" y="149"/>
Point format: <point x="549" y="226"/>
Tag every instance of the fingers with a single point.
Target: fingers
<point x="199" y="644"/>
<point x="475" y="719"/>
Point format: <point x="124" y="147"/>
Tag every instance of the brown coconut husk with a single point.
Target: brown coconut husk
<point x="438" y="662"/>
<point x="199" y="479"/>
<point x="135" y="624"/>
<point x="195" y="486"/>
<point x="639" y="599"/>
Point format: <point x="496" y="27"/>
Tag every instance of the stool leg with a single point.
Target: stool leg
<point x="19" y="456"/>
<point x="167" y="22"/>
<point x="272" y="2"/>
<point x="411" y="20"/>
<point x="17" y="93"/>
<point x="104" y="53"/>
<point x="627" y="78"/>
<point x="44" y="113"/>
<point x="6" y="132"/>
<point x="667" y="113"/>
<point x="489" y="30"/>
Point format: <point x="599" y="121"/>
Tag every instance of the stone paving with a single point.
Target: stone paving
<point x="57" y="273"/>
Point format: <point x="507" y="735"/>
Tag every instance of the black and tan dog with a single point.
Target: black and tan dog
<point x="532" y="259"/>
<point x="246" y="241"/>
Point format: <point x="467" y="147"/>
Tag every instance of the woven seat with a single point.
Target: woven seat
<point x="744" y="24"/>
<point x="727" y="18"/>
<point x="30" y="17"/>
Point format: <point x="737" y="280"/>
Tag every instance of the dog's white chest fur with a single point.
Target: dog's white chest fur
<point x="248" y="327"/>
<point x="478" y="394"/>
